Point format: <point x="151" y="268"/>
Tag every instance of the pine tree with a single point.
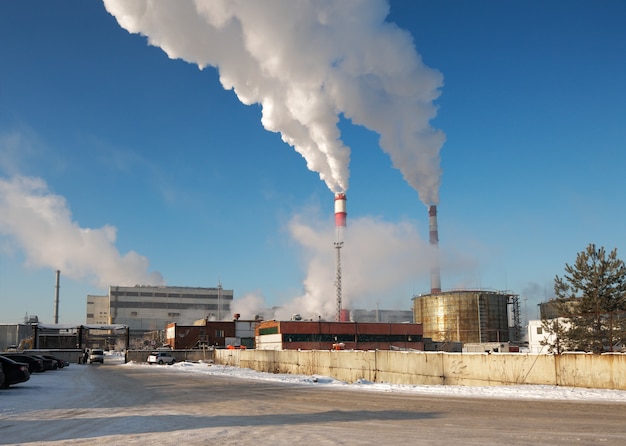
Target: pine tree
<point x="591" y="303"/>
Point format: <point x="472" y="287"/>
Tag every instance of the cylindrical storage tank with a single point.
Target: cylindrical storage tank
<point x="463" y="316"/>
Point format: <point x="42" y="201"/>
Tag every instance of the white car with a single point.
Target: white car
<point x="161" y="358"/>
<point x="96" y="355"/>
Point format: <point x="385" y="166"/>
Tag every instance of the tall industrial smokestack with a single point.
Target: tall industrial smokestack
<point x="56" y="298"/>
<point x="340" y="216"/>
<point x="435" y="276"/>
<point x="340" y="226"/>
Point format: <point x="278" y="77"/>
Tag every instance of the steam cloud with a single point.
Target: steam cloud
<point x="380" y="267"/>
<point x="308" y="62"/>
<point x="42" y="225"/>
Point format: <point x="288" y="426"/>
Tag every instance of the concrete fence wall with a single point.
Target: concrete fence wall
<point x="470" y="369"/>
<point x="180" y="355"/>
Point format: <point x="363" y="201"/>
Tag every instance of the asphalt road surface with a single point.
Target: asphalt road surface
<point x="113" y="404"/>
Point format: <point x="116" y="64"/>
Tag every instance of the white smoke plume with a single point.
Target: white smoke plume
<point x="249" y="305"/>
<point x="40" y="222"/>
<point x="380" y="268"/>
<point x="308" y="62"/>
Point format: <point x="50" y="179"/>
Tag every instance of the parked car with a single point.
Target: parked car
<point x="1" y="376"/>
<point x="14" y="372"/>
<point x="161" y="358"/>
<point x="34" y="364"/>
<point x="48" y="363"/>
<point x="96" y="355"/>
<point x="60" y="362"/>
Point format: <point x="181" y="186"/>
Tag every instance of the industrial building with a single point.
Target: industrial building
<point x="97" y="309"/>
<point x="321" y="335"/>
<point x="468" y="316"/>
<point x="212" y="334"/>
<point x="151" y="308"/>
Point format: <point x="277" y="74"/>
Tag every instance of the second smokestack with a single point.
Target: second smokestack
<point x="435" y="276"/>
<point x="56" y="297"/>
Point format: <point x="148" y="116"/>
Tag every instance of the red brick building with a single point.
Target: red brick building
<point x="306" y="335"/>
<point x="211" y="334"/>
<point x="217" y="334"/>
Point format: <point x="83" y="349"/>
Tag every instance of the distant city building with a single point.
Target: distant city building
<point x="152" y="308"/>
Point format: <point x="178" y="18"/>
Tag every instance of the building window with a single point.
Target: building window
<point x="219" y="333"/>
<point x="539" y="330"/>
<point x="133" y="313"/>
<point x="173" y="314"/>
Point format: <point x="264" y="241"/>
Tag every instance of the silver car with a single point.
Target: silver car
<point x="161" y="358"/>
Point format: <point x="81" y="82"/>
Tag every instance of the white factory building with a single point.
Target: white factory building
<point x="150" y="308"/>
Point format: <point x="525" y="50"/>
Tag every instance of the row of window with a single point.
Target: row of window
<point x="170" y="306"/>
<point x="176" y="295"/>
<point x="300" y="337"/>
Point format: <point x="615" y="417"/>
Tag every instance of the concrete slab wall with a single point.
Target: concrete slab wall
<point x="418" y="368"/>
<point x="180" y="355"/>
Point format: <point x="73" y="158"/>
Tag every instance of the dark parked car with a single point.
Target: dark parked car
<point x="60" y="362"/>
<point x="1" y="376"/>
<point x="14" y="372"/>
<point x="34" y="364"/>
<point x="48" y="363"/>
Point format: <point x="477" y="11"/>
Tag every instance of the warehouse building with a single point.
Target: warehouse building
<point x="321" y="335"/>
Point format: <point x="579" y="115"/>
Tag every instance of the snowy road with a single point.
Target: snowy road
<point x="138" y="404"/>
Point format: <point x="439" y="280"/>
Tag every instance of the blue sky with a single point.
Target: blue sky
<point x="121" y="164"/>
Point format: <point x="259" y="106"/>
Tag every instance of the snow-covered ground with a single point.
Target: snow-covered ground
<point x="502" y="392"/>
<point x="508" y="392"/>
<point x="48" y="410"/>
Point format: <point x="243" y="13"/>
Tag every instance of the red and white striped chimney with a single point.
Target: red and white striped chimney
<point x="340" y="216"/>
<point x="435" y="275"/>
<point x="340" y="225"/>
